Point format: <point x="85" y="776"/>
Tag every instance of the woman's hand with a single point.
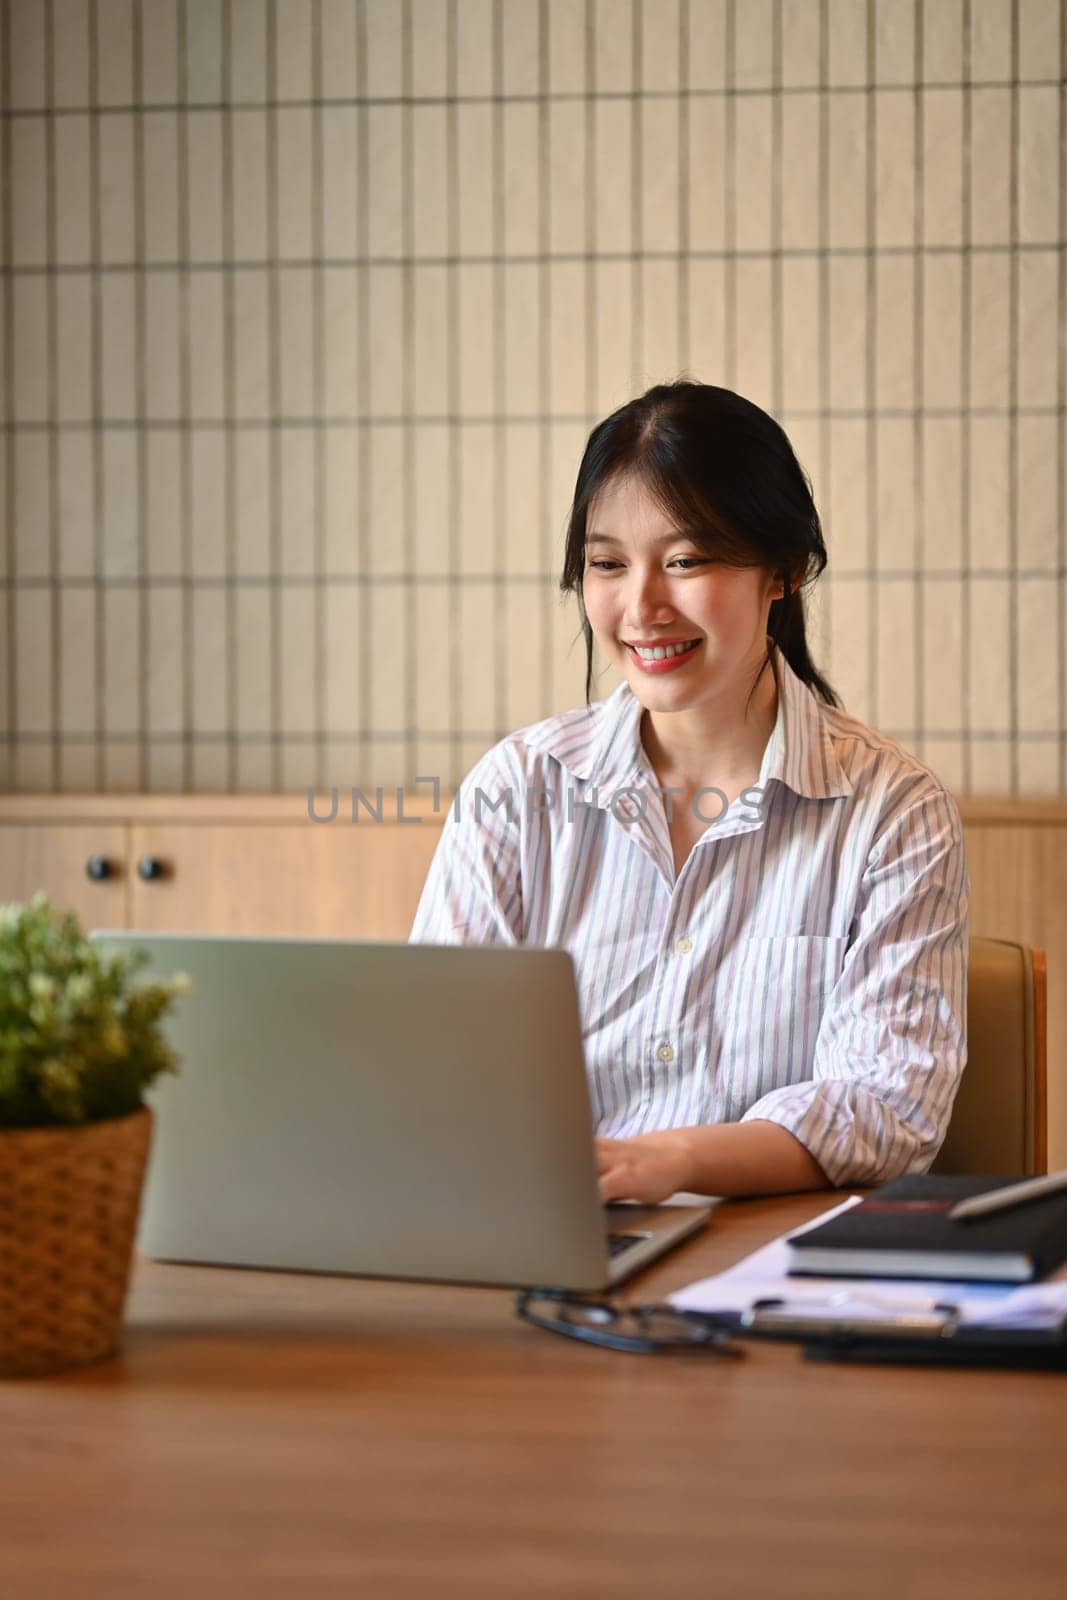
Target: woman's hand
<point x="648" y="1168"/>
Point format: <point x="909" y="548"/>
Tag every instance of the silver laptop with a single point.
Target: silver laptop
<point x="398" y="1110"/>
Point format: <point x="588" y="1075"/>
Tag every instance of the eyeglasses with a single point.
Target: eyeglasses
<point x="643" y="1330"/>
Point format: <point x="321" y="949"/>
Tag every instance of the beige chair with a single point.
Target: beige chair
<point x="998" y="1122"/>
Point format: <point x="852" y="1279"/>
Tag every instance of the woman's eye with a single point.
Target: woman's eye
<point x="683" y="563"/>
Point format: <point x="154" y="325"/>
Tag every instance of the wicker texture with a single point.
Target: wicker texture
<point x="69" y="1199"/>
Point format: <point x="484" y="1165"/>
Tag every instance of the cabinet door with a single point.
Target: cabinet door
<point x="55" y="857"/>
<point x="309" y="880"/>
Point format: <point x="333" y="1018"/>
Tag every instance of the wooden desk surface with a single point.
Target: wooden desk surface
<point x="298" y="1436"/>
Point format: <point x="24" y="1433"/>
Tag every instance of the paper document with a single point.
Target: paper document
<point x="764" y="1277"/>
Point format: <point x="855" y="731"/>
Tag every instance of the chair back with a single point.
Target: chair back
<point x="999" y="1125"/>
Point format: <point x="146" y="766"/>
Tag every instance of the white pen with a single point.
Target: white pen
<point x="1014" y="1194"/>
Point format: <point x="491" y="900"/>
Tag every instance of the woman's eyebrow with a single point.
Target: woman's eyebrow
<point x="663" y="538"/>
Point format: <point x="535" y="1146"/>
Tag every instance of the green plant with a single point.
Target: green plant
<point x="79" y="1035"/>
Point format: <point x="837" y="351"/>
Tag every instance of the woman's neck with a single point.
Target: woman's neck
<point x="713" y="745"/>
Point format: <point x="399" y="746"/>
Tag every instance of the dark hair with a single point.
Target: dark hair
<point x="723" y="470"/>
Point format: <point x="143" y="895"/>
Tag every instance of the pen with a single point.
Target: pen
<point x="1015" y="1194"/>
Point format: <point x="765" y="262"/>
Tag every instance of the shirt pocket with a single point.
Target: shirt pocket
<point x="777" y="990"/>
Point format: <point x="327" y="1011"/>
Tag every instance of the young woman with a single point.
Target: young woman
<point x="766" y="901"/>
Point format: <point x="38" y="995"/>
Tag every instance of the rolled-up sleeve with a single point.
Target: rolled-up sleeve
<point x="892" y="1041"/>
<point x="473" y="890"/>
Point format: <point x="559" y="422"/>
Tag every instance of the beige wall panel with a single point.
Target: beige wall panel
<point x="520" y="38"/>
<point x="71" y="54"/>
<point x="72" y="190"/>
<point x="544" y="334"/>
<point x="847" y="40"/>
<point x="29" y="201"/>
<point x="941" y="545"/>
<point x="707" y="44"/>
<point x="942" y="41"/>
<point x="894" y="41"/>
<point x="114" y="43"/>
<point x="429" y="20"/>
<point x="895" y="494"/>
<point x="30" y="308"/>
<point x="658" y="354"/>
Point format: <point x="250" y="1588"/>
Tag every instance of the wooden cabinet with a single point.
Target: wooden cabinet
<point x="326" y="881"/>
<point x="219" y="866"/>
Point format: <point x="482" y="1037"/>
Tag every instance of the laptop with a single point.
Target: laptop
<point x="397" y="1110"/>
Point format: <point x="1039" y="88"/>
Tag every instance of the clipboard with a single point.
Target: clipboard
<point x="875" y="1320"/>
<point x="918" y="1338"/>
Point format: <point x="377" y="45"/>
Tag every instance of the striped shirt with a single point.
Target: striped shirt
<point x="807" y="966"/>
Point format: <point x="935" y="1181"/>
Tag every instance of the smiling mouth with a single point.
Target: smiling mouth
<point x="662" y="652"/>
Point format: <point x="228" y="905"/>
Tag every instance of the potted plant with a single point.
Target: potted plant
<point x="80" y="1041"/>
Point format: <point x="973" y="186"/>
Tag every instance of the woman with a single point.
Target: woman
<point x="766" y="901"/>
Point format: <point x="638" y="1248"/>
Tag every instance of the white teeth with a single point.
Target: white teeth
<point x="663" y="652"/>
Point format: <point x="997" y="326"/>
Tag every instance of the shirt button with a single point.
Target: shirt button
<point x="665" y="1052"/>
<point x="683" y="945"/>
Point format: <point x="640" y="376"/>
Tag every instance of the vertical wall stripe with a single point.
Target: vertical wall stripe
<point x="729" y="234"/>
<point x="966" y="472"/>
<point x="363" y="462"/>
<point x="229" y="402"/>
<point x="822" y="489"/>
<point x="140" y="339"/>
<point x="548" y="541"/>
<point x="185" y="402"/>
<point x="501" y="611"/>
<point x="918" y="345"/>
<point x="407" y="368"/>
<point x="1013" y="411"/>
<point x="101" y="718"/>
<point x="870" y="229"/>
<point x="637" y="213"/>
<point x="777" y="297"/>
<point x="456" y="642"/>
<point x="52" y="359"/>
<point x="684" y="180"/>
<point x="318" y="389"/>
<point x="589" y="220"/>
<point x="1061" y="410"/>
<point x="11" y="565"/>
<point x="274" y="435"/>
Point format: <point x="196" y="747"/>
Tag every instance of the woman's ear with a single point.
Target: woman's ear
<point x="795" y="580"/>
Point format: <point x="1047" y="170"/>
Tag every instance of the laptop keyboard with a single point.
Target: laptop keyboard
<point x="618" y="1242"/>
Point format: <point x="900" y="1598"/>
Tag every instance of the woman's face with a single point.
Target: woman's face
<point x="686" y="630"/>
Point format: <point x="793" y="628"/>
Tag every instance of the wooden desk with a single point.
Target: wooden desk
<point x="298" y="1436"/>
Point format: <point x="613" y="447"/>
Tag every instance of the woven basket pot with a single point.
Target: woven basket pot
<point x="69" y="1199"/>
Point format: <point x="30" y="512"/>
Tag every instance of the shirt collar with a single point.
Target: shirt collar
<point x="800" y="751"/>
<point x="601" y="744"/>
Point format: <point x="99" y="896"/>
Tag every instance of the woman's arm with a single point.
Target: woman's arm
<point x="892" y="1039"/>
<point x="730" y="1158"/>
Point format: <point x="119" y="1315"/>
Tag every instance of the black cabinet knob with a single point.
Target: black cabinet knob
<point x="98" y="868"/>
<point x="150" y="867"/>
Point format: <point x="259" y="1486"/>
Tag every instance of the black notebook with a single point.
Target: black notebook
<point x="903" y="1230"/>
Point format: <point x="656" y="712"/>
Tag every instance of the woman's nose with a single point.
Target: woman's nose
<point x="646" y="600"/>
